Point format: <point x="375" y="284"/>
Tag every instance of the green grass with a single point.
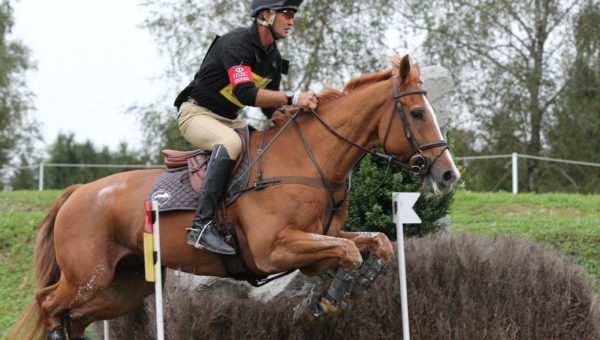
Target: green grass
<point x="569" y="222"/>
<point x="20" y="215"/>
<point x="566" y="221"/>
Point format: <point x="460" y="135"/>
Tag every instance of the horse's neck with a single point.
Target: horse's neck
<point x="356" y="117"/>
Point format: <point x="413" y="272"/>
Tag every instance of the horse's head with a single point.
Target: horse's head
<point x="412" y="133"/>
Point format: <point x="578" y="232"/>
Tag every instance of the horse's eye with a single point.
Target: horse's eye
<point x="418" y="114"/>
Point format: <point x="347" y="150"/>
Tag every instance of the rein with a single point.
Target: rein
<point x="417" y="163"/>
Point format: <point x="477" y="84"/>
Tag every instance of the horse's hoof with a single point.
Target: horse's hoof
<point x="303" y="313"/>
<point x="57" y="333"/>
<point x="329" y="308"/>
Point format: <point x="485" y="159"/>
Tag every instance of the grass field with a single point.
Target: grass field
<point x="568" y="222"/>
<point x="20" y="216"/>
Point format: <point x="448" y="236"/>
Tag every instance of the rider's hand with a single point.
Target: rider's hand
<point x="307" y="101"/>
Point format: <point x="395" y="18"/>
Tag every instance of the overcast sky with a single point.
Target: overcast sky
<point x="93" y="61"/>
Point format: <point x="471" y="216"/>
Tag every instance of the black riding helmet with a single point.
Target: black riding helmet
<point x="277" y="5"/>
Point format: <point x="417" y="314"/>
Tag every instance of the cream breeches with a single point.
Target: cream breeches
<point x="204" y="129"/>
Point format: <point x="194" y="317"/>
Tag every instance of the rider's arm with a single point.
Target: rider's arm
<point x="270" y="98"/>
<point x="248" y="94"/>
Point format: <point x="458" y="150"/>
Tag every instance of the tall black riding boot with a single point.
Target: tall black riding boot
<point x="202" y="233"/>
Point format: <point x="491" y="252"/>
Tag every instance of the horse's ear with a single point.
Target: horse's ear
<point x="404" y="69"/>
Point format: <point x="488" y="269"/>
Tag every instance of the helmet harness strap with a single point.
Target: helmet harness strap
<point x="270" y="23"/>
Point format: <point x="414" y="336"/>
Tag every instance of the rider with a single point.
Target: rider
<point x="241" y="68"/>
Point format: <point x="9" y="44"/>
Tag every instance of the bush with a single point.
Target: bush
<point x="459" y="287"/>
<point x="374" y="213"/>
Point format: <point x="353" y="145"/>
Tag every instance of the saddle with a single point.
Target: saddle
<point x="179" y="188"/>
<point x="195" y="161"/>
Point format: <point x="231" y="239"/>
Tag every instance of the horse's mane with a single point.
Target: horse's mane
<point x="330" y="95"/>
<point x="366" y="79"/>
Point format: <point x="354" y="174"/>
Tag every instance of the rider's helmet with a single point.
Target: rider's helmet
<point x="276" y="5"/>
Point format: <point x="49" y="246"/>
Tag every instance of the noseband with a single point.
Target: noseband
<point x="417" y="163"/>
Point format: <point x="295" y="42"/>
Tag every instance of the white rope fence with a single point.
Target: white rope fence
<point x="514" y="160"/>
<point x="42" y="166"/>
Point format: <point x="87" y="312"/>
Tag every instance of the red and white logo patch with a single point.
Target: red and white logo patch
<point x="240" y="74"/>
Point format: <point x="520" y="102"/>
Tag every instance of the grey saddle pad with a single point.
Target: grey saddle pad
<point x="173" y="191"/>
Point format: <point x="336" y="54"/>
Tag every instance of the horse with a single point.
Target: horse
<point x="89" y="250"/>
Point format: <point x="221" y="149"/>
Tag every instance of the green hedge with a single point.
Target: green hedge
<point x="374" y="213"/>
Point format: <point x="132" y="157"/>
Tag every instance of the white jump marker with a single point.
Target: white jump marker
<point x="403" y="203"/>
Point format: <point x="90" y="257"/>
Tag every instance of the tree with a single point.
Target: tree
<point x="23" y="178"/>
<point x="329" y="45"/>
<point x="18" y="130"/>
<point x="507" y="58"/>
<point x="575" y="133"/>
<point x="65" y="150"/>
<point x="333" y="40"/>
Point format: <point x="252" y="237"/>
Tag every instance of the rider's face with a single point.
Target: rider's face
<point x="284" y="20"/>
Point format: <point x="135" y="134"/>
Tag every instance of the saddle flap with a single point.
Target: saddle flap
<point x="197" y="169"/>
<point x="179" y="159"/>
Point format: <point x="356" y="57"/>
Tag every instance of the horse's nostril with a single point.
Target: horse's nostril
<point x="448" y="176"/>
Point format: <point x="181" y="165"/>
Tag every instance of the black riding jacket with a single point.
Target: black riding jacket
<point x="234" y="68"/>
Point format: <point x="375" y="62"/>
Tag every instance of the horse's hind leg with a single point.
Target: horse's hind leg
<point x="53" y="301"/>
<point x="57" y="300"/>
<point x="125" y="294"/>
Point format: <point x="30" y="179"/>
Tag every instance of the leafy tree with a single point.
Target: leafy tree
<point x="23" y="178"/>
<point x="507" y="57"/>
<point x="332" y="41"/>
<point x="65" y="150"/>
<point x="577" y="117"/>
<point x="329" y="45"/>
<point x="17" y="127"/>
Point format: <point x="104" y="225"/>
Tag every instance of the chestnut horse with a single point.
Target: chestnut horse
<point x="88" y="252"/>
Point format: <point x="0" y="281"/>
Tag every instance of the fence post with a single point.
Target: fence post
<point x="41" y="178"/>
<point x="515" y="174"/>
<point x="403" y="213"/>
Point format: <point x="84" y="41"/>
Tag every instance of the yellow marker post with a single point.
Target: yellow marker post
<point x="149" y="244"/>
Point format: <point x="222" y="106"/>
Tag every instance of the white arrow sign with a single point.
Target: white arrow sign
<point x="403" y="207"/>
<point x="404" y="213"/>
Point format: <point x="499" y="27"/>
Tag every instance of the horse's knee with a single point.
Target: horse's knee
<point x="384" y="248"/>
<point x="350" y="257"/>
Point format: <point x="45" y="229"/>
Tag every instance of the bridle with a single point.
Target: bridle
<point x="417" y="163"/>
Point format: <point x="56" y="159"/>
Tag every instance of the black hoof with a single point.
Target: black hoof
<point x="57" y="333"/>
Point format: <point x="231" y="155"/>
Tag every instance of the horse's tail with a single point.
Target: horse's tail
<point x="31" y="323"/>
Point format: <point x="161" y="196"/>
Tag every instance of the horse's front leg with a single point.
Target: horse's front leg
<point x="293" y="248"/>
<point x="377" y="249"/>
<point x="374" y="243"/>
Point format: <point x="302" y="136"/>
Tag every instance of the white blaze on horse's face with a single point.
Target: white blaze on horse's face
<point x="443" y="174"/>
